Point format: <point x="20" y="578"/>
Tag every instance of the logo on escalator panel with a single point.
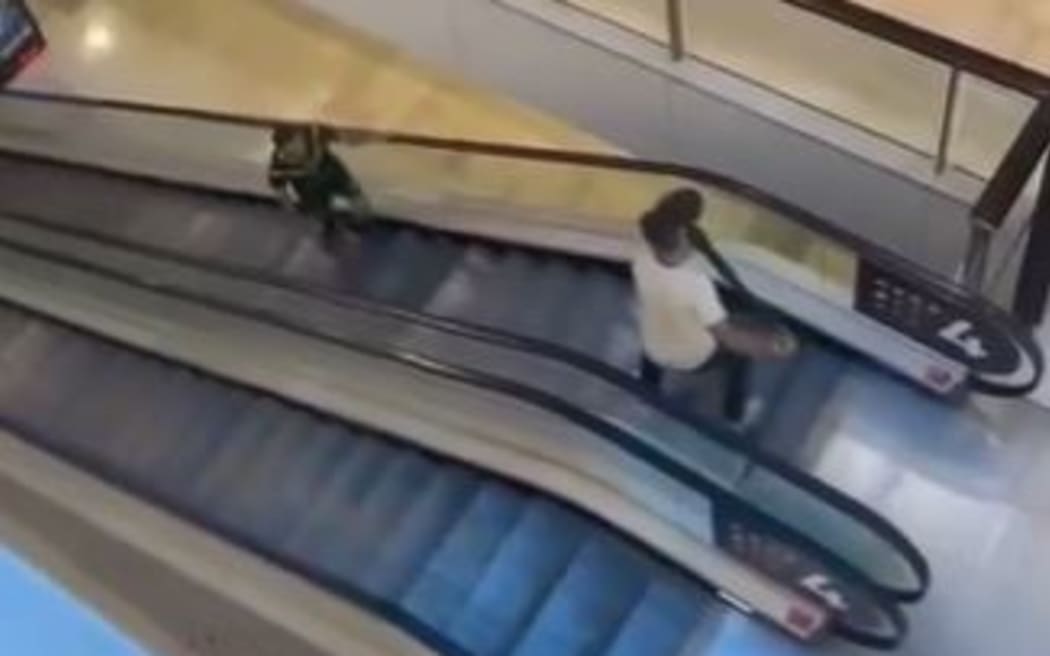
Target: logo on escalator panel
<point x="853" y="606"/>
<point x="999" y="352"/>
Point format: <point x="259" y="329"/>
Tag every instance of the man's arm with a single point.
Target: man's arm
<point x="754" y="342"/>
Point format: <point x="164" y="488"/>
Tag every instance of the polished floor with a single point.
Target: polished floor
<point x="266" y="57"/>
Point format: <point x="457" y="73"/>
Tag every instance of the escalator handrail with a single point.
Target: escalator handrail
<point x="704" y="427"/>
<point x="541" y="399"/>
<point x="868" y="250"/>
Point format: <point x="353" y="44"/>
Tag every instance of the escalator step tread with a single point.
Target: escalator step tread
<point x="161" y="425"/>
<point x="165" y="397"/>
<point x="661" y="622"/>
<point x="372" y="254"/>
<point x="297" y="482"/>
<point x="447" y="580"/>
<point x="177" y="465"/>
<point x="585" y="610"/>
<point x="530" y="563"/>
<point x="429" y="519"/>
<point x="221" y="473"/>
<point x="393" y="275"/>
<point x="370" y="519"/>
<point x="247" y="499"/>
<point x="361" y="466"/>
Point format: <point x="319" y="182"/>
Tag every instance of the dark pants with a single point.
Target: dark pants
<point x="736" y="370"/>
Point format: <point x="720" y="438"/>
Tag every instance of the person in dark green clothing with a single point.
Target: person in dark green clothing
<point x="309" y="178"/>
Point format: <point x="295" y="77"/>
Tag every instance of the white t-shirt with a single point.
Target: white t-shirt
<point x="678" y="306"/>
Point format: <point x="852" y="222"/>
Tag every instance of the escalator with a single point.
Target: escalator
<point x="466" y="562"/>
<point x="457" y="288"/>
<point x="725" y="496"/>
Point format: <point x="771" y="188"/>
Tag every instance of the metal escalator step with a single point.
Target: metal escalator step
<point x="72" y="370"/>
<point x="584" y="612"/>
<point x="110" y="399"/>
<point x="177" y="464"/>
<point x="246" y="501"/>
<point x="255" y="243"/>
<point x="431" y="516"/>
<point x="585" y="328"/>
<point x="362" y="462"/>
<point x="436" y="264"/>
<point x="221" y="473"/>
<point x="551" y="293"/>
<point x="353" y="273"/>
<point x="391" y="277"/>
<point x="601" y="334"/>
<point x="530" y="564"/>
<point x="464" y="285"/>
<point x="26" y="362"/>
<point x="158" y="427"/>
<point x="502" y="301"/>
<point x="369" y="521"/>
<point x="13" y="324"/>
<point x="297" y="482"/>
<point x="161" y="400"/>
<point x="450" y="575"/>
<point x="662" y="621"/>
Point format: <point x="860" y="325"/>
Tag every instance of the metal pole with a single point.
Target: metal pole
<point x="975" y="267"/>
<point x="951" y="103"/>
<point x="1033" y="285"/>
<point x="676" y="29"/>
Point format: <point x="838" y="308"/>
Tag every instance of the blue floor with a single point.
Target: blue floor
<point x="37" y="617"/>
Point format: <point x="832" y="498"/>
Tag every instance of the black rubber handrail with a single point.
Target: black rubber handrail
<point x="626" y="440"/>
<point x="706" y="428"/>
<point x="878" y="255"/>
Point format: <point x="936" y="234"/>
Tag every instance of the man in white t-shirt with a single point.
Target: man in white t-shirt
<point x="683" y="321"/>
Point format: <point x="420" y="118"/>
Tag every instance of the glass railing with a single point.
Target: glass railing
<point x="955" y="119"/>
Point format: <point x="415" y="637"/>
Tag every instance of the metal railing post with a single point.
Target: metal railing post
<point x="676" y="29"/>
<point x="975" y="266"/>
<point x="951" y="102"/>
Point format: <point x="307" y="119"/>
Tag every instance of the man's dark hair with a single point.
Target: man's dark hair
<point x="663" y="225"/>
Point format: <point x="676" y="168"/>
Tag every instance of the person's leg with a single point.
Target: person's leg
<point x="652" y="374"/>
<point x="737" y="388"/>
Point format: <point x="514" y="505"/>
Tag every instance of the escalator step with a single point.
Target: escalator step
<point x="248" y="499"/>
<point x="392" y="277"/>
<point x="368" y="524"/>
<point x="298" y="482"/>
<point x="177" y="464"/>
<point x="584" y="611"/>
<point x="418" y="535"/>
<point x="220" y="475"/>
<point x="661" y="622"/>
<point x="162" y="397"/>
<point x="461" y="560"/>
<point x="361" y="467"/>
<point x="532" y="561"/>
<point x="160" y="426"/>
